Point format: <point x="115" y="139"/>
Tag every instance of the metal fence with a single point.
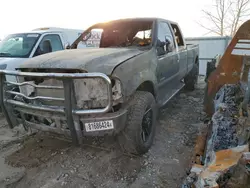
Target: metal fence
<point x="209" y="47"/>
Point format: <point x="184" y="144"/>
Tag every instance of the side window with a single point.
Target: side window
<point x="163" y="33"/>
<point x="95" y="38"/>
<point x="178" y="36"/>
<point x="49" y="43"/>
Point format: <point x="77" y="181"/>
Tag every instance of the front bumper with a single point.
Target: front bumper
<point x="33" y="116"/>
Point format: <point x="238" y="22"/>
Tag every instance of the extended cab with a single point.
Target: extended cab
<point x="115" y="89"/>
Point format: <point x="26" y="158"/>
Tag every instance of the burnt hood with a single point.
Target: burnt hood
<point x="102" y="60"/>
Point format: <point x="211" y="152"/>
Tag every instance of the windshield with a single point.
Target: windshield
<point x="18" y="45"/>
<point x="122" y="34"/>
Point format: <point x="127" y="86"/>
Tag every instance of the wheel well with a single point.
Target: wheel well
<point x="147" y="86"/>
<point x="197" y="60"/>
<point x="197" y="63"/>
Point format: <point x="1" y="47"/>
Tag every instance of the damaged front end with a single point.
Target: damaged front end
<point x="67" y="102"/>
<point x="222" y="157"/>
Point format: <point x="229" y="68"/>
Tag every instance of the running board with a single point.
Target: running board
<point x="172" y="94"/>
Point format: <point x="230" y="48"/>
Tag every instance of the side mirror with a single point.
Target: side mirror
<point x="160" y="47"/>
<point x="169" y="43"/>
<point x="67" y="46"/>
<point x="161" y="44"/>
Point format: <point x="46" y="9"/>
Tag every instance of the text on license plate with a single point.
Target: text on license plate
<point x="99" y="126"/>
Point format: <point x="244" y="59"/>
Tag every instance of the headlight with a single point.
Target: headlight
<point x="89" y="93"/>
<point x="116" y="89"/>
<point x="92" y="93"/>
<point x="3" y="66"/>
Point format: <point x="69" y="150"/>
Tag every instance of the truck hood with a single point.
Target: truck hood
<point x="102" y="60"/>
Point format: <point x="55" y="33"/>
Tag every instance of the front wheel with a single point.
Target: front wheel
<point x="138" y="135"/>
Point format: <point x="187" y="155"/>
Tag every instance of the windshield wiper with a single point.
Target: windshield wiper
<point x="3" y="54"/>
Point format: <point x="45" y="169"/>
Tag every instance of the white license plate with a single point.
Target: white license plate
<point x="99" y="126"/>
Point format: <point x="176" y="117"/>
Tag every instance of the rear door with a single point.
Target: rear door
<point x="182" y="50"/>
<point x="168" y="65"/>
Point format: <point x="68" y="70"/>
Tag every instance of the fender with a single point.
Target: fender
<point x="135" y="71"/>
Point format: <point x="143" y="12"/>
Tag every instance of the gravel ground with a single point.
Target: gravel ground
<point x="43" y="161"/>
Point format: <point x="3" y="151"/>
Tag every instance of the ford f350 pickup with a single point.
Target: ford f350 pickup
<point x="116" y="89"/>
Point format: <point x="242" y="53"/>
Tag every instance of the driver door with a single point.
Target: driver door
<point x="167" y="67"/>
<point x="55" y="42"/>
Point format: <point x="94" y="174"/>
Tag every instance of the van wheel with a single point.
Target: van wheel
<point x="139" y="132"/>
<point x="191" y="79"/>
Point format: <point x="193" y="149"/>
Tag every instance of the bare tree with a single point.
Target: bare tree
<point x="239" y="11"/>
<point x="226" y="16"/>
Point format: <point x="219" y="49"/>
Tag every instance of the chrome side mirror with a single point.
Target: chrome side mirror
<point x="67" y="46"/>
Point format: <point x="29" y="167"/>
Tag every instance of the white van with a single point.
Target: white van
<point x="16" y="48"/>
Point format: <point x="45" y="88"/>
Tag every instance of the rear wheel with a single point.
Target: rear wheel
<point x="192" y="78"/>
<point x="138" y="135"/>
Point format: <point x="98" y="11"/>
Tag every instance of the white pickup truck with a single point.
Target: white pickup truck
<point x="16" y="48"/>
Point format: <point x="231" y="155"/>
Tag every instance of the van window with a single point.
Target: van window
<point x="94" y="40"/>
<point x="49" y="43"/>
<point x="143" y="34"/>
<point x="55" y="41"/>
<point x="18" y="45"/>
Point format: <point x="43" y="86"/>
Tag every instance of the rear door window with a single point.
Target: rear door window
<point x="178" y="35"/>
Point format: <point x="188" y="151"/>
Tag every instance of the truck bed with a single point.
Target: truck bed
<point x="192" y="46"/>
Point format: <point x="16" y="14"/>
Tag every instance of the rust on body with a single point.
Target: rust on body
<point x="229" y="67"/>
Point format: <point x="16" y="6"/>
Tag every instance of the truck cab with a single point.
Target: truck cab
<point x="141" y="63"/>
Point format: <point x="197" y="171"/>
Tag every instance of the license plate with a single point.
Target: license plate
<point x="99" y="126"/>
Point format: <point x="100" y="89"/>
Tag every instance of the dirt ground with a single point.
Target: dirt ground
<point x="43" y="161"/>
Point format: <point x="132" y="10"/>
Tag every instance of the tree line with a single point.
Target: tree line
<point x="226" y="16"/>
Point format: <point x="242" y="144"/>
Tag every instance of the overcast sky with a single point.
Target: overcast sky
<point x="25" y="15"/>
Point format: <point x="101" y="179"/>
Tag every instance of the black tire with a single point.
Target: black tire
<point x="131" y="138"/>
<point x="192" y="78"/>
